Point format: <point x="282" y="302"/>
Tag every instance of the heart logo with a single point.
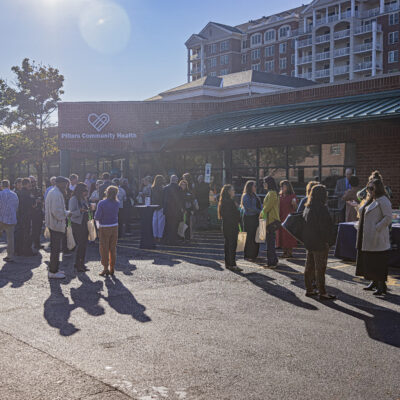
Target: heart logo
<point x="98" y="121"/>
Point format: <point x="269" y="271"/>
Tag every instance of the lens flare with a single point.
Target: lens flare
<point x="105" y="27"/>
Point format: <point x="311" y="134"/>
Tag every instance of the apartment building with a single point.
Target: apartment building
<point x="325" y="41"/>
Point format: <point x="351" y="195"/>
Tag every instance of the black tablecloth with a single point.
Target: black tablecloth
<point x="146" y="226"/>
<point x="346" y="243"/>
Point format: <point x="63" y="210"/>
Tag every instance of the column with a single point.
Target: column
<point x="326" y="14"/>
<point x="65" y="162"/>
<point x="382" y="6"/>
<point x="340" y="11"/>
<point x="373" y="72"/>
<point x="202" y="60"/>
<point x="188" y="65"/>
<point x="331" y="58"/>
<point x="351" y="51"/>
<point x="296" y="58"/>
<point x="305" y="24"/>
<point x="353" y="8"/>
<point x="314" y="17"/>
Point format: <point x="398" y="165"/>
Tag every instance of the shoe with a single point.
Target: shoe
<point x="8" y="259"/>
<point x="104" y="273"/>
<point x="234" y="269"/>
<point x="312" y="294"/>
<point x="371" y="286"/>
<point x="327" y="296"/>
<point x="56" y="275"/>
<point x="381" y="289"/>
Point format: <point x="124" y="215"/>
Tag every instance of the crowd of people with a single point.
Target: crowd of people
<point x="181" y="206"/>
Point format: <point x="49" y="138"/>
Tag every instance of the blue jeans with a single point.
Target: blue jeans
<point x="272" y="258"/>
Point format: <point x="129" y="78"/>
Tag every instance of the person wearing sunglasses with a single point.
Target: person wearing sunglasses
<point x="373" y="240"/>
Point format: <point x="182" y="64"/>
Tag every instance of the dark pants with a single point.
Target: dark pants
<point x="251" y="249"/>
<point x="37" y="222"/>
<point x="171" y="228"/>
<point x="81" y="233"/>
<point x="272" y="258"/>
<point x="56" y="240"/>
<point x="23" y="238"/>
<point x="230" y="248"/>
<point x="315" y="269"/>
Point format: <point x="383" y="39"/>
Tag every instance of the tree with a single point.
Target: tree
<point x="37" y="90"/>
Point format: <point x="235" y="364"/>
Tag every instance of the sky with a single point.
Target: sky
<point x="115" y="49"/>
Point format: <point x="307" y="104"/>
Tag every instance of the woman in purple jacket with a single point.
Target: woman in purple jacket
<point x="107" y="219"/>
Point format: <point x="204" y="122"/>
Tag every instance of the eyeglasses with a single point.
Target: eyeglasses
<point x="370" y="188"/>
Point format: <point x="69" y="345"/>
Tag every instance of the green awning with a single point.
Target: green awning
<point x="344" y="109"/>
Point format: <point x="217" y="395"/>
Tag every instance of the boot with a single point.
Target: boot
<point x="371" y="286"/>
<point x="381" y="289"/>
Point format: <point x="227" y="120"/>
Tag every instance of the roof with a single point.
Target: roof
<point x="345" y="109"/>
<point x="239" y="78"/>
<point x="228" y="27"/>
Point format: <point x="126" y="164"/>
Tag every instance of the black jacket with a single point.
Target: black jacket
<point x="157" y="196"/>
<point x="318" y="229"/>
<point x="172" y="199"/>
<point x="202" y="194"/>
<point x="230" y="215"/>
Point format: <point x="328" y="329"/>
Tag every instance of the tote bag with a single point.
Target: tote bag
<point x="70" y="237"/>
<point x="261" y="232"/>
<point x="241" y="242"/>
<point x="294" y="224"/>
<point x="91" y="228"/>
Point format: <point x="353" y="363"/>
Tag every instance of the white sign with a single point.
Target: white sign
<point x="98" y="121"/>
<point x="207" y="173"/>
<point x="89" y="136"/>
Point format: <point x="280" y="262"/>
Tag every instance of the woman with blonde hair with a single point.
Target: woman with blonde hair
<point x="107" y="219"/>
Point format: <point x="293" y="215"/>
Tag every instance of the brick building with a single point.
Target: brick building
<point x="298" y="134"/>
<point x="325" y="41"/>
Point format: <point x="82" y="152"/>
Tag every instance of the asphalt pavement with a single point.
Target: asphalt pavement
<point x="175" y="324"/>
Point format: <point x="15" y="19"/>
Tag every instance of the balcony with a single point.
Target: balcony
<point x="301" y="31"/>
<point x="323" y="38"/>
<point x="305" y="60"/>
<point x="333" y="18"/>
<point x="322" y="73"/>
<point x="345" y="51"/>
<point x="307" y="75"/>
<point x="195" y="57"/>
<point x="370" y="13"/>
<point x="360" y="48"/>
<point x="305" y="43"/>
<point x="392" y="7"/>
<point x="363" y="66"/>
<point x="320" y="21"/>
<point x="346" y="14"/>
<point x="323" y="56"/>
<point x="341" y="34"/>
<point x="359" y="30"/>
<point x="195" y="71"/>
<point x="343" y="69"/>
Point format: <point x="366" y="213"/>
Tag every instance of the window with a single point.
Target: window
<point x="244" y="44"/>
<point x="224" y="60"/>
<point x="224" y="71"/>
<point x="282" y="48"/>
<point x="255" y="67"/>
<point x="393" y="37"/>
<point x="393" y="56"/>
<point x="284" y="31"/>
<point x="223" y="46"/>
<point x="269" y="66"/>
<point x="213" y="62"/>
<point x="269" y="36"/>
<point x="269" y="51"/>
<point x="282" y="63"/>
<point x="256" y="39"/>
<point x="212" y="73"/>
<point x="213" y="48"/>
<point x="394" y="19"/>
<point x="244" y="58"/>
<point x="335" y="149"/>
<point x="255" y="54"/>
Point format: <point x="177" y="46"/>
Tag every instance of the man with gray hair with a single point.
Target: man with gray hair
<point x="172" y="206"/>
<point x="8" y="217"/>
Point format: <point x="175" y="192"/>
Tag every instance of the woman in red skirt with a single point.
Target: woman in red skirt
<point x="287" y="205"/>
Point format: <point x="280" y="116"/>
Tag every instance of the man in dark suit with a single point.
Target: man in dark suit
<point x="342" y="185"/>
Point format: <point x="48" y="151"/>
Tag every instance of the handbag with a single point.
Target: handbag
<point x="241" y="241"/>
<point x="70" y="237"/>
<point x="261" y="233"/>
<point x="91" y="228"/>
<point x="294" y="224"/>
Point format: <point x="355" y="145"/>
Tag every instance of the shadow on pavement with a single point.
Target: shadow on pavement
<point x="19" y="272"/>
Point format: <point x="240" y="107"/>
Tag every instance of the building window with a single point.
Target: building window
<point x="394" y="19"/>
<point x="244" y="44"/>
<point x="335" y="149"/>
<point x="224" y="71"/>
<point x="255" y="67"/>
<point x="292" y="59"/>
<point x="284" y="31"/>
<point x="269" y="51"/>
<point x="224" y="60"/>
<point x="393" y="37"/>
<point x="269" y="36"/>
<point x="214" y="48"/>
<point x="270" y="66"/>
<point x="244" y="58"/>
<point x="282" y="48"/>
<point x="282" y="63"/>
<point x="213" y="62"/>
<point x="223" y="46"/>
<point x="256" y="39"/>
<point x="255" y="54"/>
<point x="393" y="56"/>
<point x="212" y="73"/>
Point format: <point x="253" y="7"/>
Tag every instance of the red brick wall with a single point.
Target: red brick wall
<point x="386" y="28"/>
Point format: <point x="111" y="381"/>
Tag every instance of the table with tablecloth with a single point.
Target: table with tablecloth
<point x="347" y="238"/>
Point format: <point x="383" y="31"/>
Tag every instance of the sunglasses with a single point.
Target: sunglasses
<point x="370" y="188"/>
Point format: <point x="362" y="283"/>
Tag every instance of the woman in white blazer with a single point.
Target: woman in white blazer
<point x="373" y="240"/>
